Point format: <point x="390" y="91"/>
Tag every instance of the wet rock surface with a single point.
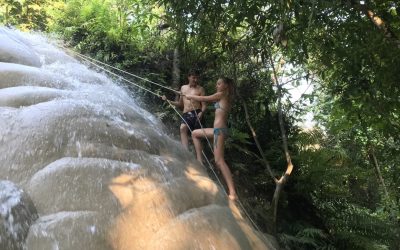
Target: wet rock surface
<point x="100" y="170"/>
<point x="17" y="214"/>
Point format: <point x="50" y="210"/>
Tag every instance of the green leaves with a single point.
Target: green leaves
<point x="306" y="238"/>
<point x="354" y="69"/>
<point x="24" y="14"/>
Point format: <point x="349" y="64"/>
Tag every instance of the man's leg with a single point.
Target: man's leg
<point x="184" y="135"/>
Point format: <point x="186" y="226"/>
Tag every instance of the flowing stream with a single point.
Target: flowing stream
<point x="83" y="166"/>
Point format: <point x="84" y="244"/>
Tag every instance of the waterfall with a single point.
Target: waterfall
<point x="96" y="170"/>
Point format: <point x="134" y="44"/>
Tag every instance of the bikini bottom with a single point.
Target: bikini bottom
<point x="217" y="132"/>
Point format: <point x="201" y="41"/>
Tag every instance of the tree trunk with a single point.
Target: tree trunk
<point x="275" y="201"/>
<point x="374" y="161"/>
<point x="176" y="71"/>
<point x="253" y="133"/>
<point x="279" y="184"/>
<point x="282" y="181"/>
<point x="372" y="156"/>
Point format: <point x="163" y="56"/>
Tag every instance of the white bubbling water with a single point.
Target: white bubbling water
<point x="100" y="169"/>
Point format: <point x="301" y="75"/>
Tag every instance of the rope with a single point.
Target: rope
<point x="170" y="104"/>
<point x="202" y="151"/>
<point x="201" y="126"/>
<point x="216" y="176"/>
<point x="106" y="70"/>
<point x="126" y="72"/>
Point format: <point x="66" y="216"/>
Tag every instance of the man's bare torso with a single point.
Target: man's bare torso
<point x="191" y="105"/>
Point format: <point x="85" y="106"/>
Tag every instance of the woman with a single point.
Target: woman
<point x="222" y="103"/>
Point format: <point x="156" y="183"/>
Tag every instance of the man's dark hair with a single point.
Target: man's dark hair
<point x="194" y="72"/>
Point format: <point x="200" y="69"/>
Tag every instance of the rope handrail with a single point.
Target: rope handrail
<point x="171" y="105"/>
<point x="126" y="72"/>
<point x="108" y="71"/>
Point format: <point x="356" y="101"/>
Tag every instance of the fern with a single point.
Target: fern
<point x="306" y="238"/>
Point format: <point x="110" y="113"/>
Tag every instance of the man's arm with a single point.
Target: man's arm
<point x="178" y="103"/>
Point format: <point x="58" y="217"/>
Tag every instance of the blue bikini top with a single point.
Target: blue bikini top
<point x="218" y="106"/>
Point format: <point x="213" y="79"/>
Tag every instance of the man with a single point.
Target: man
<point x="190" y="108"/>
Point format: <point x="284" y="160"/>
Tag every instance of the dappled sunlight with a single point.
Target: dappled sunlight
<point x="119" y="186"/>
<point x="182" y="212"/>
<point x="99" y="169"/>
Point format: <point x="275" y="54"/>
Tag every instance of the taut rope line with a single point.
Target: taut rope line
<point x="202" y="128"/>
<point x="126" y="72"/>
<point x="210" y="166"/>
<point x="170" y="104"/>
<point x="108" y="71"/>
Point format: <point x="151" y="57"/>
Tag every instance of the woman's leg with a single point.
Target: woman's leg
<point x="197" y="135"/>
<point x="221" y="164"/>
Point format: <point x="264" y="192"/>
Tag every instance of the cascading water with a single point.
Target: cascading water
<point x="93" y="169"/>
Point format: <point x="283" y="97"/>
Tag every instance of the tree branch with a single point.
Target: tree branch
<point x="253" y="133"/>
<point x="377" y="21"/>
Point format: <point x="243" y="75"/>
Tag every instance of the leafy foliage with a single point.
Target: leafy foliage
<point x="25" y="14"/>
<point x="336" y="199"/>
<point x="306" y="238"/>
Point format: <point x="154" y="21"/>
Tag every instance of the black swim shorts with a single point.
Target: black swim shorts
<point x="191" y="119"/>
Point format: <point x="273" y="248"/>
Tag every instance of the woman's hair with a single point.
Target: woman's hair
<point x="231" y="87"/>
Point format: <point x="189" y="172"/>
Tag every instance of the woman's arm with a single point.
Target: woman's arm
<point x="209" y="98"/>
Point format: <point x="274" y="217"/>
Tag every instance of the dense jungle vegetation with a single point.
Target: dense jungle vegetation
<point x="338" y="183"/>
